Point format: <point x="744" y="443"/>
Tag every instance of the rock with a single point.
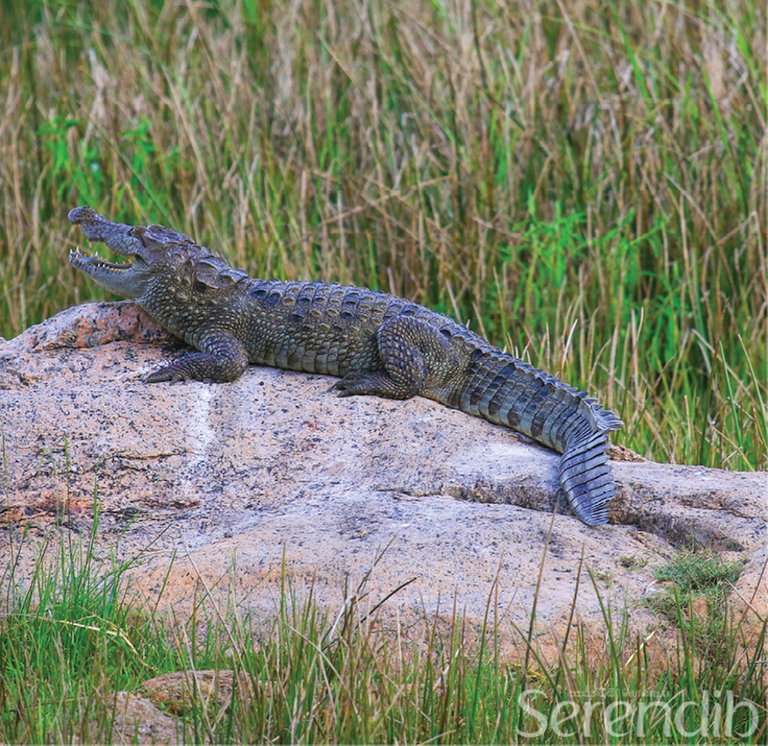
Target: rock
<point x="237" y="479"/>
<point x="138" y="721"/>
<point x="179" y="692"/>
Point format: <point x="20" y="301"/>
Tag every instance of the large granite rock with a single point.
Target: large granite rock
<point x="236" y="479"/>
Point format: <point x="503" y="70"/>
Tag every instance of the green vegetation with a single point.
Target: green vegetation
<point x="697" y="585"/>
<point x="700" y="572"/>
<point x="74" y="636"/>
<point x="584" y="183"/>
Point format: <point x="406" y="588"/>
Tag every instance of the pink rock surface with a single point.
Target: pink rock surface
<point x="234" y="478"/>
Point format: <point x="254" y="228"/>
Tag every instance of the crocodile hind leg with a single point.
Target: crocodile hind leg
<point x="413" y="355"/>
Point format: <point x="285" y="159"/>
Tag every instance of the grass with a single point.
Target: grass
<point x="697" y="586"/>
<point x="583" y="183"/>
<point x="73" y="636"/>
<point x="697" y="572"/>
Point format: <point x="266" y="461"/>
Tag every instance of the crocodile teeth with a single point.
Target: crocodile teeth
<point x="94" y="261"/>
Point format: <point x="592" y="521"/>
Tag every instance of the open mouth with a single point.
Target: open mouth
<point x="95" y="262"/>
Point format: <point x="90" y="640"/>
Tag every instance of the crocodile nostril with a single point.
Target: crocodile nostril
<point x="79" y="215"/>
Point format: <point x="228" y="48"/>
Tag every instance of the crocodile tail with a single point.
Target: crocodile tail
<point x="508" y="392"/>
<point x="586" y="477"/>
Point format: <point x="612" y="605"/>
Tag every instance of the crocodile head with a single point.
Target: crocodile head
<point x="153" y="251"/>
<point x="159" y="257"/>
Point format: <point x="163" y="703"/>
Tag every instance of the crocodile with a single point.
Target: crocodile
<point x="376" y="343"/>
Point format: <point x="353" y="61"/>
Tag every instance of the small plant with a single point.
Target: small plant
<point x="632" y="563"/>
<point x="694" y="600"/>
<point x="700" y="573"/>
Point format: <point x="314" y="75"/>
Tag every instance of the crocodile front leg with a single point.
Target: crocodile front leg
<point x="414" y="356"/>
<point x="223" y="358"/>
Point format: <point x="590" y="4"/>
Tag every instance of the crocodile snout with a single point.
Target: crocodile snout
<point x="80" y="215"/>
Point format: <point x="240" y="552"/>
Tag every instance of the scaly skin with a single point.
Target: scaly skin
<point x="378" y="344"/>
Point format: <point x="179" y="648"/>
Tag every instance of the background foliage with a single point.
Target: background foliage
<point x="584" y="182"/>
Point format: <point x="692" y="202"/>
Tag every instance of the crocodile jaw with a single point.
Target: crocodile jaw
<point x="128" y="280"/>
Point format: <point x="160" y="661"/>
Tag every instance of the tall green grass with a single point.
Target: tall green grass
<point x="585" y="182"/>
<point x="72" y="637"/>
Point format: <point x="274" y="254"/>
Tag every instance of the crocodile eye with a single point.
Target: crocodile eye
<point x="199" y="287"/>
<point x="137" y="232"/>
